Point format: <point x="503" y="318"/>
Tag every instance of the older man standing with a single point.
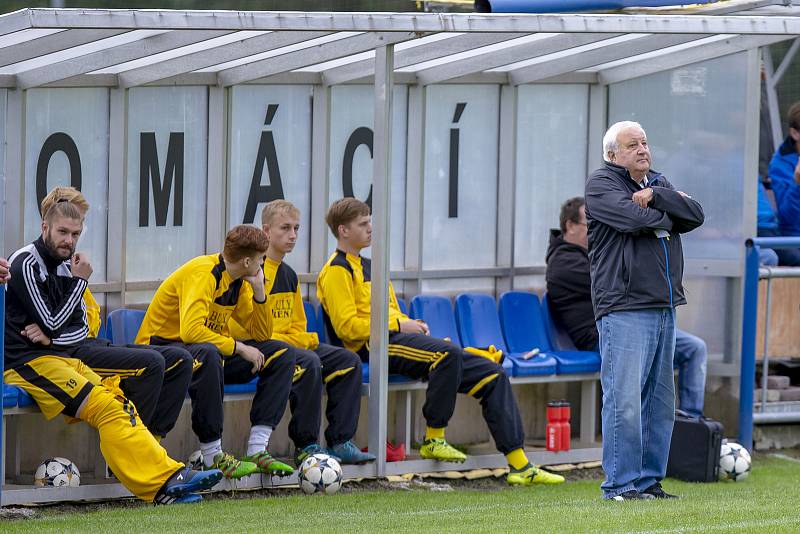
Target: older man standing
<point x="635" y="219"/>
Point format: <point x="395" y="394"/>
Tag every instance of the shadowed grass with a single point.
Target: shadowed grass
<point x="768" y="501"/>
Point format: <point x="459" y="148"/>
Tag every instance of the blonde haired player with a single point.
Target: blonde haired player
<point x="44" y="324"/>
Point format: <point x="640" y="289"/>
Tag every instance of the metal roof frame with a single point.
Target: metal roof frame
<point x="512" y="49"/>
<point x="213" y="56"/>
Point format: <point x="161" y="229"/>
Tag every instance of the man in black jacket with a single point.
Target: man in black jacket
<point x="635" y="219"/>
<point x="44" y="325"/>
<point x="569" y="292"/>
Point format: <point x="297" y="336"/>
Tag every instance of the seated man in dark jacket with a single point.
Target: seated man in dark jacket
<point x="569" y="291"/>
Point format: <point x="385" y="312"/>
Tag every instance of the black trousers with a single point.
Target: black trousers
<point x="274" y="380"/>
<point x="450" y="370"/>
<point x="154" y="378"/>
<point x="211" y="374"/>
<point x="339" y="370"/>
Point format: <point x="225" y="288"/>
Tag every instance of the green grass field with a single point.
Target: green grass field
<point x="768" y="501"/>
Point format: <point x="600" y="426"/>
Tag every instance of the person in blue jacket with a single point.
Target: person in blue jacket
<point x="768" y="227"/>
<point x="784" y="176"/>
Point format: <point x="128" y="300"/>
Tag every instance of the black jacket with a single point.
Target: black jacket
<point x="42" y="290"/>
<point x="631" y="268"/>
<point x="569" y="290"/>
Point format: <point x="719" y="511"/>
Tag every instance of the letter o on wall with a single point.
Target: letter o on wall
<point x="57" y="142"/>
<point x="360" y="136"/>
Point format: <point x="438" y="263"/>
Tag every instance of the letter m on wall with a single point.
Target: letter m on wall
<point x="150" y="174"/>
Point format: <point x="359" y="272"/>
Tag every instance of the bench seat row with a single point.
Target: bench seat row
<point x="520" y="325"/>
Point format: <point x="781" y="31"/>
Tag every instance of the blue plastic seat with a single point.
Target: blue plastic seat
<point x="525" y="327"/>
<point x="479" y="326"/>
<point x="559" y="339"/>
<point x="10" y="396"/>
<point x="393" y="379"/>
<point x="437" y="312"/>
<point x="123" y="325"/>
<point x="102" y="333"/>
<point x="570" y="358"/>
<point x="313" y="320"/>
<point x="24" y="400"/>
<point x="248" y="387"/>
<point x="401" y="303"/>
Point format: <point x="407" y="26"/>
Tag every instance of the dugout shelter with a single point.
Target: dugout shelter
<point x="465" y="132"/>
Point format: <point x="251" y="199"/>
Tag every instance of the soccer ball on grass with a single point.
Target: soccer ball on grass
<point x="320" y="473"/>
<point x="57" y="472"/>
<point x="734" y="462"/>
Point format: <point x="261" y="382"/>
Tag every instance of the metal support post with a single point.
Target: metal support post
<point x="379" y="316"/>
<point x="772" y="97"/>
<point x="748" y="373"/>
<point x="765" y="362"/>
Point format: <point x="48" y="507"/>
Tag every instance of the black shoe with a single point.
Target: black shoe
<point x="632" y="495"/>
<point x="658" y="492"/>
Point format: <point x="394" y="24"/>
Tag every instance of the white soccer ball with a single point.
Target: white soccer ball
<point x="57" y="472"/>
<point x="734" y="462"/>
<point x="195" y="461"/>
<point x="320" y="473"/>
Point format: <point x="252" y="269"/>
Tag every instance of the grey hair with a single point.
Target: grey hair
<point x="611" y="138"/>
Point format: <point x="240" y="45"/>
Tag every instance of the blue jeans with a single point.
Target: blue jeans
<point x="690" y="360"/>
<point x="636" y="348"/>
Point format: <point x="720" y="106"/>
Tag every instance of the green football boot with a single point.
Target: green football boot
<point x="231" y="467"/>
<point x="268" y="465"/>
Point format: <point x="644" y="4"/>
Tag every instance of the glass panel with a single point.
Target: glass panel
<point x="460" y="196"/>
<point x="453" y="286"/>
<point x="66" y="143"/>
<point x="167" y="162"/>
<point x="351" y="142"/>
<point x="551" y="163"/>
<point x="695" y="122"/>
<point x="270" y="156"/>
<point x="530" y="282"/>
<point x="708" y="296"/>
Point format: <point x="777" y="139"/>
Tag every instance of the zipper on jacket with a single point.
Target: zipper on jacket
<point x="669" y="279"/>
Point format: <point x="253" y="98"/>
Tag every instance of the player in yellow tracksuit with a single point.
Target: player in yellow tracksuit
<point x="155" y="379"/>
<point x="317" y="363"/>
<point x="191" y="309"/>
<point x="344" y="289"/>
<point x="44" y="325"/>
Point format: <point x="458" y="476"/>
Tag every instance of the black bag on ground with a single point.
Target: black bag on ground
<point x="694" y="451"/>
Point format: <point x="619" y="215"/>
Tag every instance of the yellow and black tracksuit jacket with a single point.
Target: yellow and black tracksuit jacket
<point x="316" y="364"/>
<point x="344" y="289"/>
<point x="195" y="303"/>
<point x="286" y="308"/>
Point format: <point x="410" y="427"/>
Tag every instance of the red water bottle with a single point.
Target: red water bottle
<point x="553" y="429"/>
<point x="563" y="421"/>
